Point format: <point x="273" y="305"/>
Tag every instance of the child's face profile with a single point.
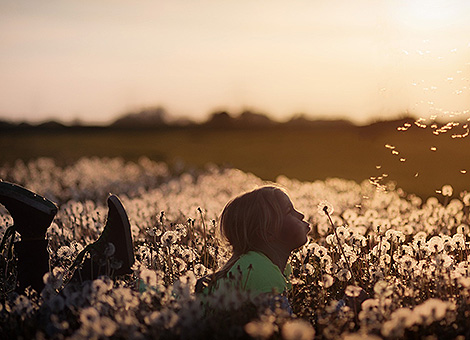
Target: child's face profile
<point x="294" y="230"/>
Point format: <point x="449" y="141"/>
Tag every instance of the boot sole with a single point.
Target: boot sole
<point x="27" y="197"/>
<point x="116" y="202"/>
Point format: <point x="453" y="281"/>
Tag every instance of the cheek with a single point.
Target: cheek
<point x="294" y="231"/>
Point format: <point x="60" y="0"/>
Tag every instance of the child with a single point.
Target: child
<point x="32" y="214"/>
<point x="263" y="228"/>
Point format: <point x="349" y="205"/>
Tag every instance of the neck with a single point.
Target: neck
<point x="279" y="258"/>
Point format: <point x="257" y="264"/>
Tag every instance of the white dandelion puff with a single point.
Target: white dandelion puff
<point x="325" y="207"/>
<point x="297" y="329"/>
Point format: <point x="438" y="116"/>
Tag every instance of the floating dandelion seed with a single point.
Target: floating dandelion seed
<point x="419" y="123"/>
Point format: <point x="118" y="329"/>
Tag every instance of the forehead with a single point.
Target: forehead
<point x="284" y="200"/>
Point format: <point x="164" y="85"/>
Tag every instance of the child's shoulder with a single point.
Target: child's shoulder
<point x="252" y="260"/>
<point x="258" y="273"/>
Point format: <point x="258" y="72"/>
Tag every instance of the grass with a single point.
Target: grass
<point x="301" y="153"/>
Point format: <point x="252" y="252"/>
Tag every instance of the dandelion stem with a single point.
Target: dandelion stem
<point x="380" y="248"/>
<point x="169" y="264"/>
<point x="91" y="267"/>
<point x="151" y="257"/>
<point x="190" y="239"/>
<point x="325" y="209"/>
<point x="204" y="251"/>
<point x="250" y="268"/>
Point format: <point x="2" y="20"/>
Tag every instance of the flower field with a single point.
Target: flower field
<point x="405" y="259"/>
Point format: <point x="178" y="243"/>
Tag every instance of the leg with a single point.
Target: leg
<point x="32" y="215"/>
<point x="115" y="259"/>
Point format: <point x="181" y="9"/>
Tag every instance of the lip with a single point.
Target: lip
<point x="309" y="228"/>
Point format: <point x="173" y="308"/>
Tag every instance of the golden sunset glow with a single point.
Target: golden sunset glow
<point x="431" y="15"/>
<point x="361" y="60"/>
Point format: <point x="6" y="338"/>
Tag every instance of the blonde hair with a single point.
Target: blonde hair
<point x="247" y="221"/>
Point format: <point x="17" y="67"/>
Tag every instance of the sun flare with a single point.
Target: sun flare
<point x="430" y="14"/>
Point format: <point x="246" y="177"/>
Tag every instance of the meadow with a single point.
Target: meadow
<point x="306" y="152"/>
<point x="410" y="255"/>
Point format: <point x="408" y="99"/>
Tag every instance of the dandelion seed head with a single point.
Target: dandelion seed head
<point x="148" y="276"/>
<point x="435" y="244"/>
<point x="466" y="199"/>
<point x="297" y="329"/>
<point x="105" y="327"/>
<point x="320" y="251"/>
<point x="100" y="286"/>
<point x="447" y="190"/>
<point x="325" y="207"/>
<point x="89" y="316"/>
<point x="169" y="237"/>
<point x="65" y="251"/>
<point x="259" y="329"/>
<point x="200" y="270"/>
<point x="56" y="304"/>
<point x="344" y="274"/>
<point x="383" y="289"/>
<point x="353" y="291"/>
<point x="109" y="250"/>
<point x="326" y="281"/>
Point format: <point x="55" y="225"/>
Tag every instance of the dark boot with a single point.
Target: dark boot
<point x="33" y="263"/>
<point x="32" y="214"/>
<point x="104" y="261"/>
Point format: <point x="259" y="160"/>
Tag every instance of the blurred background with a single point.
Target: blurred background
<point x="365" y="89"/>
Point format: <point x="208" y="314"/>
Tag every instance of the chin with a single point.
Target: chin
<point x="300" y="245"/>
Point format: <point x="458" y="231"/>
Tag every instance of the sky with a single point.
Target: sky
<point x="94" y="60"/>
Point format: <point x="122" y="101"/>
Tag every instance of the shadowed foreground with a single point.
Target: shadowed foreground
<point x="410" y="257"/>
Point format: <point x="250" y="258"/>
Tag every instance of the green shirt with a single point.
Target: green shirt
<point x="259" y="274"/>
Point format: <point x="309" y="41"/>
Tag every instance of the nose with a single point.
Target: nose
<point x="301" y="216"/>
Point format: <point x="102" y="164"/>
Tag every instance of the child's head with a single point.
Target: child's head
<point x="255" y="219"/>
